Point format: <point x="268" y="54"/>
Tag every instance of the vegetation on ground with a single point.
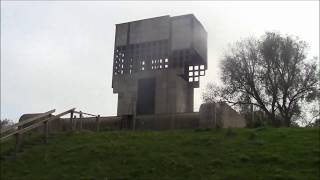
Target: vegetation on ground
<point x="262" y="153"/>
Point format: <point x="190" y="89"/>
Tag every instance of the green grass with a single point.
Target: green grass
<point x="265" y="153"/>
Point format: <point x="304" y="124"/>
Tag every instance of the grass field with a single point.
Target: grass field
<point x="265" y="153"/>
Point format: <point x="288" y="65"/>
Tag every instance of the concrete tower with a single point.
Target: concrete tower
<point x="157" y="63"/>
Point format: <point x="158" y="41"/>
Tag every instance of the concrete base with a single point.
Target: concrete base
<point x="211" y="115"/>
<point x="220" y="115"/>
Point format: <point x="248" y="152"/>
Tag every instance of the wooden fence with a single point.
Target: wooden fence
<point x="27" y="125"/>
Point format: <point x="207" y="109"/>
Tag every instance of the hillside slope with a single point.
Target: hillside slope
<point x="181" y="154"/>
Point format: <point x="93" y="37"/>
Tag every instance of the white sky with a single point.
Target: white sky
<point x="59" y="54"/>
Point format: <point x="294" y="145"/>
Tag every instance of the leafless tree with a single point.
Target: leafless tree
<point x="271" y="73"/>
<point x="5" y="122"/>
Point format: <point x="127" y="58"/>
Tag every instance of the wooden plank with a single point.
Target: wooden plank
<point x="18" y="143"/>
<point x="36" y="124"/>
<point x="46" y="131"/>
<point x="71" y="121"/>
<point x="83" y="113"/>
<point x="98" y="122"/>
<point x="49" y="119"/>
<point x="81" y="120"/>
<point x="3" y="130"/>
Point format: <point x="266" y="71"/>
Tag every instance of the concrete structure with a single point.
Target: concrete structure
<point x="207" y="118"/>
<point x="219" y="115"/>
<point x="157" y="63"/>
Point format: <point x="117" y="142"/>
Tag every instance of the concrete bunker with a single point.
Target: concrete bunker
<point x="157" y="64"/>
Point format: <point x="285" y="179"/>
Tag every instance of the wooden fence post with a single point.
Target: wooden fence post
<point x="80" y="116"/>
<point x="134" y="122"/>
<point x="98" y="122"/>
<point x="46" y="131"/>
<point x="18" y="143"/>
<point x="74" y="126"/>
<point x="71" y="120"/>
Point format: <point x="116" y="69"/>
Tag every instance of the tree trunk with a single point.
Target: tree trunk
<point x="287" y="121"/>
<point x="275" y="121"/>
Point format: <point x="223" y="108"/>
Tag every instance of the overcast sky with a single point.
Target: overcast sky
<point x="59" y="54"/>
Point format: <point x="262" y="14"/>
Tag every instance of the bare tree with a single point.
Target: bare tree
<point x="271" y="73"/>
<point x="5" y="122"/>
<point x="310" y="114"/>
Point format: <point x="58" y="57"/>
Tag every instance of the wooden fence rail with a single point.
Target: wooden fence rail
<point x="19" y="128"/>
<point x="12" y="127"/>
<point x="81" y="116"/>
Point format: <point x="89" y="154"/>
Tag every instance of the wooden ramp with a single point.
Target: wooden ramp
<point x="18" y="129"/>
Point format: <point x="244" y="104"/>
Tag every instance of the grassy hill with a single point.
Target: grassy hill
<point x="237" y="154"/>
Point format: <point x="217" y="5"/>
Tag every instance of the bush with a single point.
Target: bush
<point x="5" y="122"/>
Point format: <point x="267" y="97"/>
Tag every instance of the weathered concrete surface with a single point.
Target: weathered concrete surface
<point x="182" y="32"/>
<point x="162" y="48"/>
<point x="167" y="121"/>
<point x="211" y="115"/>
<point x="220" y="115"/>
<point x="121" y="34"/>
<point x="172" y="93"/>
<point x="153" y="29"/>
<point x="143" y="122"/>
